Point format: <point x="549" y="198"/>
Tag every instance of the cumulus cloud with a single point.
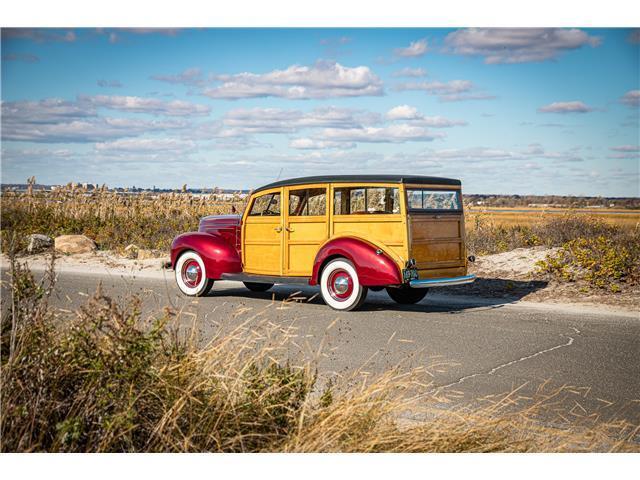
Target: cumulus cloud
<point x="21" y="57"/>
<point x="410" y="72"/>
<point x="631" y="98"/>
<point x="452" y="91"/>
<point x="109" y="83"/>
<point x="322" y="80"/>
<point x="625" y="152"/>
<point x="39" y="35"/>
<point x="396" y="133"/>
<point x="415" y="49"/>
<point x="56" y="120"/>
<point x="518" y="45"/>
<point x="276" y="120"/>
<point x="147" y="145"/>
<point x="311" y="144"/>
<point x="566" y="107"/>
<point x="408" y="113"/>
<point x="153" y="106"/>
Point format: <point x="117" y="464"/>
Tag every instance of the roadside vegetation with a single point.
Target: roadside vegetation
<point x="600" y="254"/>
<point x="113" y="220"/>
<point x="106" y="379"/>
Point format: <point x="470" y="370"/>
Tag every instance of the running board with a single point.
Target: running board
<point x="245" y="277"/>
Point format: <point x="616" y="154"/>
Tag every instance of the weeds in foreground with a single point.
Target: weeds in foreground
<point x="105" y="380"/>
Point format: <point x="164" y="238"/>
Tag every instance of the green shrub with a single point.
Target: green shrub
<point x="603" y="262"/>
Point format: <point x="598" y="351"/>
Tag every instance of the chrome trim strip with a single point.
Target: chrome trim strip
<point x="442" y="282"/>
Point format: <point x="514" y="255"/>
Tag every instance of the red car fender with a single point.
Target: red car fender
<point x="218" y="255"/>
<point x="374" y="266"/>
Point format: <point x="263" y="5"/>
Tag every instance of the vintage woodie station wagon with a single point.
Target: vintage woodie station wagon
<point x="345" y="233"/>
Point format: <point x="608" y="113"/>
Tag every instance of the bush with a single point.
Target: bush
<point x="112" y="220"/>
<point x="104" y="380"/>
<point x="603" y="262"/>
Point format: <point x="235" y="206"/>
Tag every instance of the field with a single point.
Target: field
<point x="509" y="216"/>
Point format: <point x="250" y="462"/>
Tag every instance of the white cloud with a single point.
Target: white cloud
<point x="566" y="107"/>
<point x="625" y="152"/>
<point x="410" y="72"/>
<point x="415" y="49"/>
<point x="39" y="35"/>
<point x="322" y="80"/>
<point x="311" y="144"/>
<point x="54" y="120"/>
<point x="396" y="133"/>
<point x="147" y="145"/>
<point x="631" y="98"/>
<point x="153" y="106"/>
<point x="408" y="113"/>
<point x="275" y="120"/>
<point x="452" y="91"/>
<point x="518" y="45"/>
<point x="626" y="148"/>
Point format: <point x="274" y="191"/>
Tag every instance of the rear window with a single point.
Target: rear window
<point x="365" y="200"/>
<point x="427" y="200"/>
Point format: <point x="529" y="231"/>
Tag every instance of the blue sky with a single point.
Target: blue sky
<point x="528" y="111"/>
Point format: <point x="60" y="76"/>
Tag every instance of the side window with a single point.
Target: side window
<point x="266" y="205"/>
<point x="366" y="200"/>
<point x="308" y="202"/>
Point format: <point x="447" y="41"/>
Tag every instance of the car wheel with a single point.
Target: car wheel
<point x="191" y="275"/>
<point x="340" y="287"/>
<point x="406" y="295"/>
<point x="258" y="287"/>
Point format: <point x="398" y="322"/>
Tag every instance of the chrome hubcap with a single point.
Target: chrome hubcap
<point x="191" y="273"/>
<point x="341" y="284"/>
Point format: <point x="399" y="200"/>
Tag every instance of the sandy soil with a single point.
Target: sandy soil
<point x="510" y="275"/>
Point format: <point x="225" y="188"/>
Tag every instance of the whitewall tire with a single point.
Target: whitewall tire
<point x="340" y="287"/>
<point x="191" y="275"/>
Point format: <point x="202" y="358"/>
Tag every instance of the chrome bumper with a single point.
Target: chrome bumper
<point x="441" y="282"/>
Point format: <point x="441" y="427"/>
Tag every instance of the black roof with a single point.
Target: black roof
<point x="415" y="179"/>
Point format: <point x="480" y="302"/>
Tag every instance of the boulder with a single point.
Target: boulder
<point x="74" y="244"/>
<point x="145" y="254"/>
<point x="131" y="251"/>
<point x="39" y="243"/>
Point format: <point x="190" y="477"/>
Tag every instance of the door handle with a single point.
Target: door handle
<point x="289" y="229"/>
<point x="278" y="229"/>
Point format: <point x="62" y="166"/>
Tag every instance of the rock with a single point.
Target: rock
<point x="74" y="244"/>
<point x="39" y="243"/>
<point x="131" y="251"/>
<point x="145" y="254"/>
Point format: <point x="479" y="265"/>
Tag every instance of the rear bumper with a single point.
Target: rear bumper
<point x="442" y="282"/>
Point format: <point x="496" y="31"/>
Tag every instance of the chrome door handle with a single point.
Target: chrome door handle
<point x="278" y="229"/>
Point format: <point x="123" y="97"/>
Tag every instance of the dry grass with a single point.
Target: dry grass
<point x="112" y="220"/>
<point x="530" y="216"/>
<point x="105" y="379"/>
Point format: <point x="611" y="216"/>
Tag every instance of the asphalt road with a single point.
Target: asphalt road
<point x="490" y="348"/>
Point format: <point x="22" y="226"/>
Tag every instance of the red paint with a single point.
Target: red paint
<point x="226" y="226"/>
<point x="218" y="255"/>
<point x="373" y="269"/>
